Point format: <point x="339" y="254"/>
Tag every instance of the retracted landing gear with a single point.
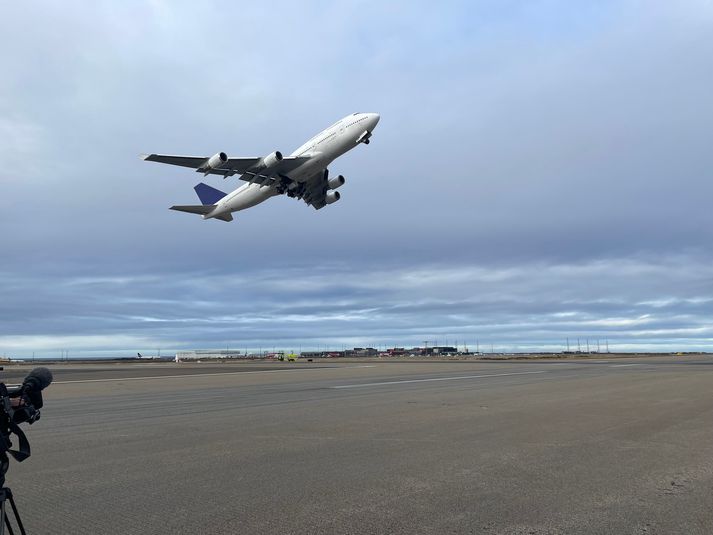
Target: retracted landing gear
<point x="364" y="137"/>
<point x="289" y="187"/>
<point x="296" y="190"/>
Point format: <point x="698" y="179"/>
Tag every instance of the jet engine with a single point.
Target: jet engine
<point x="337" y="181"/>
<point x="332" y="197"/>
<point x="271" y="160"/>
<point x="216" y="161"/>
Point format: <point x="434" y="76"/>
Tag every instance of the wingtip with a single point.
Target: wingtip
<point x="144" y="156"/>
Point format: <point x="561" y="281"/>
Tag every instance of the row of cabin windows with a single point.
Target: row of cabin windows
<point x="357" y="121"/>
<point x="326" y="138"/>
<point x="334" y="133"/>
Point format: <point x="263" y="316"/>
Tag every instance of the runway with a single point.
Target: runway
<point x="516" y="447"/>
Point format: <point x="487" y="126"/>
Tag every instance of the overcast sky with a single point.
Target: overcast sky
<point x="542" y="170"/>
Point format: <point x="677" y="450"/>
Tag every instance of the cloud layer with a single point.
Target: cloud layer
<point x="541" y="171"/>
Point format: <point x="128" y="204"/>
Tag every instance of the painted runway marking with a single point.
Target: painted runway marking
<point x="200" y="375"/>
<point x="432" y="379"/>
<point x="623" y="365"/>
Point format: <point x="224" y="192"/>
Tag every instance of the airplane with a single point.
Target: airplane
<point x="304" y="174"/>
<point x="150" y="357"/>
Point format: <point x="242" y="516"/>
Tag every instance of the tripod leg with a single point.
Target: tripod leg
<point x="3" y="516"/>
<point x="16" y="513"/>
<point x="9" y="526"/>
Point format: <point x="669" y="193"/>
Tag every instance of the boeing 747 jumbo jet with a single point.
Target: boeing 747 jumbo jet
<point x="301" y="175"/>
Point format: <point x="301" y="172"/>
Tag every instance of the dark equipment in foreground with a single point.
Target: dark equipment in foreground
<point x="18" y="404"/>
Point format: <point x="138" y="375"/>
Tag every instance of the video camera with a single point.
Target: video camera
<point x="19" y="404"/>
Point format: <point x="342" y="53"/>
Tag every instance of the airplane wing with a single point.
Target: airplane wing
<point x="197" y="162"/>
<point x="232" y="166"/>
<point x="315" y="190"/>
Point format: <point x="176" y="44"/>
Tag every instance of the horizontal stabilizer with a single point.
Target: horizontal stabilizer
<point x="208" y="195"/>
<point x="201" y="209"/>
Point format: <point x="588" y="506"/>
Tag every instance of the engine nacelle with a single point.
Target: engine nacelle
<point x="271" y="160"/>
<point x="216" y="161"/>
<point x="332" y="197"/>
<point x="336" y="182"/>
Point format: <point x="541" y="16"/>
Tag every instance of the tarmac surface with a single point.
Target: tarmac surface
<point x="620" y="446"/>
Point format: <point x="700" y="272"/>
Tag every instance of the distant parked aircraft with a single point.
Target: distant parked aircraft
<point x="149" y="357"/>
<point x="301" y="175"/>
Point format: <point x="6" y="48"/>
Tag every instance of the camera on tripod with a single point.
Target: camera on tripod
<point x="18" y="404"/>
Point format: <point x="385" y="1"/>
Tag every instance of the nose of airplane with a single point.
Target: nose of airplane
<point x="374" y="120"/>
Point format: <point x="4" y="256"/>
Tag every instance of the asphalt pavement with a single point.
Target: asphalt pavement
<point x="534" y="447"/>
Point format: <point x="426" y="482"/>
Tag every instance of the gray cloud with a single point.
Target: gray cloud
<point x="632" y="303"/>
<point x="541" y="169"/>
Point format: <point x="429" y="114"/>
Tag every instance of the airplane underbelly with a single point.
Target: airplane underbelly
<point x="308" y="169"/>
<point x="252" y="195"/>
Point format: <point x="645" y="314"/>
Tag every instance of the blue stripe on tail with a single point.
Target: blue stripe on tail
<point x="208" y="195"/>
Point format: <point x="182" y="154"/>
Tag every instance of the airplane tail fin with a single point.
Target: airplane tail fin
<point x="208" y="195"/>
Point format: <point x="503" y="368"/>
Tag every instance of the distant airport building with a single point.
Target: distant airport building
<point x="209" y="354"/>
<point x="322" y="354"/>
<point x="361" y="352"/>
<point x="440" y="350"/>
<point x="313" y="354"/>
<point x="215" y="354"/>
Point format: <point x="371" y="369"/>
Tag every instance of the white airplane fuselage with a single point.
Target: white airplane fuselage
<point x="321" y="150"/>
